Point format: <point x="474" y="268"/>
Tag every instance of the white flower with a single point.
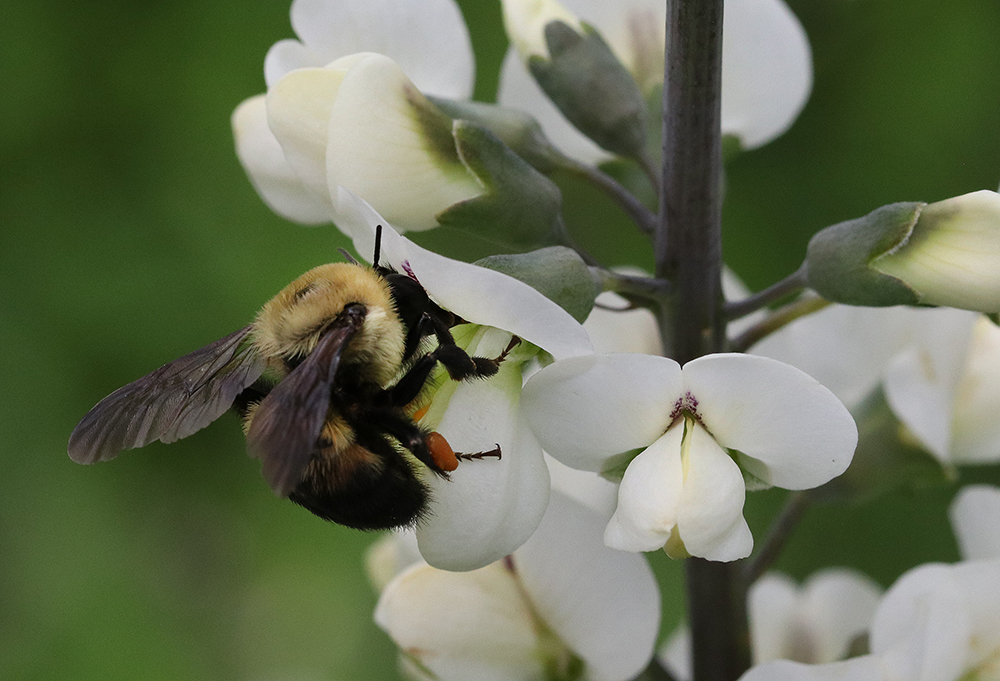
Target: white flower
<point x="488" y="509"/>
<point x="940" y="370"/>
<point x="975" y="520"/>
<point x="700" y="429"/>
<point x="952" y="256"/>
<point x="766" y="66"/>
<point x="936" y="623"/>
<point x="561" y="601"/>
<point x="427" y="38"/>
<point x="814" y="623"/>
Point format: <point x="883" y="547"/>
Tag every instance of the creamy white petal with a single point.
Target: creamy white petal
<point x="586" y="409"/>
<point x="604" y="604"/>
<point x="975" y="520"/>
<point x="389" y="555"/>
<point x="287" y="55"/>
<point x="710" y="516"/>
<point x="921" y="381"/>
<point x="462" y="625"/>
<point x="525" y="22"/>
<point x="975" y="428"/>
<point x="845" y="348"/>
<point x="977" y="580"/>
<point x="298" y="113"/>
<point x="264" y="162"/>
<point x="427" y="38"/>
<point x="866" y="668"/>
<point x="474" y="293"/>
<point x="378" y="148"/>
<point x="923" y="625"/>
<point x="766" y="70"/>
<point x="489" y="507"/>
<point x="771" y="606"/>
<point x="628" y="330"/>
<point x="518" y="90"/>
<point x="649" y="496"/>
<point x="795" y="432"/>
<point x="839" y="605"/>
<point x="585" y="487"/>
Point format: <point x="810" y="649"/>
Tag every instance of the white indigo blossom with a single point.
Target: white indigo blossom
<point x="700" y="430"/>
<point x="561" y="606"/>
<point x="766" y="64"/>
<point x="488" y="508"/>
<point x="426" y="38"/>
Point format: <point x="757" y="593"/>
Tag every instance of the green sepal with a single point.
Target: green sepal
<point x="614" y="466"/>
<point x="520" y="208"/>
<point x="518" y="130"/>
<point x="587" y="83"/>
<point x="888" y="458"/>
<point x="557" y="272"/>
<point x="839" y="258"/>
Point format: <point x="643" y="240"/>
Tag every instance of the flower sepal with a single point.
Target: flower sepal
<point x="591" y="87"/>
<point x="945" y="253"/>
<point x="556" y="272"/>
<point x="519" y="208"/>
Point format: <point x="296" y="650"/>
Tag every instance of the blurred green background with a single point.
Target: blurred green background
<point x="131" y="236"/>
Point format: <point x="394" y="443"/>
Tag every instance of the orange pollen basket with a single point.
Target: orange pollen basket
<point x="442" y="452"/>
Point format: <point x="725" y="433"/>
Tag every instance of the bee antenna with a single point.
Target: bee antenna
<point x="348" y="257"/>
<point x="378" y="244"/>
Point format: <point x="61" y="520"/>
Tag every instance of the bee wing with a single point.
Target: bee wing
<point x="174" y="401"/>
<point x="288" y="422"/>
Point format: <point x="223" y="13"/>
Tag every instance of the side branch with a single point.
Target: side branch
<point x="793" y="283"/>
<point x="642" y="216"/>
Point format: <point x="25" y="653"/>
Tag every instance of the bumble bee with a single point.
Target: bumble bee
<point x="326" y="379"/>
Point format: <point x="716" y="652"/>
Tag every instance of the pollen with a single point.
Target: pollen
<point x="441" y="452"/>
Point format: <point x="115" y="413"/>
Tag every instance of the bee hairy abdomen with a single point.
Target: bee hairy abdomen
<point x="361" y="488"/>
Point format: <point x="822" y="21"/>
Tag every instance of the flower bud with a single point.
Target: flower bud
<point x="945" y="253"/>
<point x="582" y="76"/>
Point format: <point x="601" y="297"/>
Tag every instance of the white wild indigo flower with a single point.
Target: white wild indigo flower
<point x="563" y="605"/>
<point x="488" y="508"/>
<point x="975" y="520"/>
<point x="766" y="63"/>
<point x="426" y="38"/>
<point x="812" y="623"/>
<point x="700" y="429"/>
<point x="939" y="368"/>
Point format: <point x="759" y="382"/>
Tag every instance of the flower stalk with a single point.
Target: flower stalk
<point x="688" y="252"/>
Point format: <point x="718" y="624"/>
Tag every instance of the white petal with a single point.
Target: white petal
<point x="766" y="70"/>
<point x="518" y="90"/>
<point x="923" y="625"/>
<point x="474" y="293"/>
<point x="839" y="605"/>
<point x="977" y="580"/>
<point x="586" y="409"/>
<point x="264" y="162"/>
<point x="627" y="330"/>
<point x="604" y="604"/>
<point x="866" y="668"/>
<point x="585" y="487"/>
<point x="710" y="518"/>
<point x="771" y="607"/>
<point x="953" y="254"/>
<point x="427" y="38"/>
<point x="378" y="149"/>
<point x="921" y="381"/>
<point x="975" y="427"/>
<point x="649" y="496"/>
<point x="389" y="555"/>
<point x="525" y="22"/>
<point x="287" y="55"/>
<point x="845" y="348"/>
<point x="462" y="625"/>
<point x="675" y="654"/>
<point x="298" y="113"/>
<point x="489" y="507"/>
<point x="792" y="431"/>
<point x="975" y="519"/>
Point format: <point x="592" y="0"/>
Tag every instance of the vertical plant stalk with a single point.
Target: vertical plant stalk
<point x="688" y="250"/>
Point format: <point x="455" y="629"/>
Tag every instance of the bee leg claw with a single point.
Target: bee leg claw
<point x="492" y="454"/>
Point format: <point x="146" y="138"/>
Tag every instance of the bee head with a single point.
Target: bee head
<point x="290" y="325"/>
